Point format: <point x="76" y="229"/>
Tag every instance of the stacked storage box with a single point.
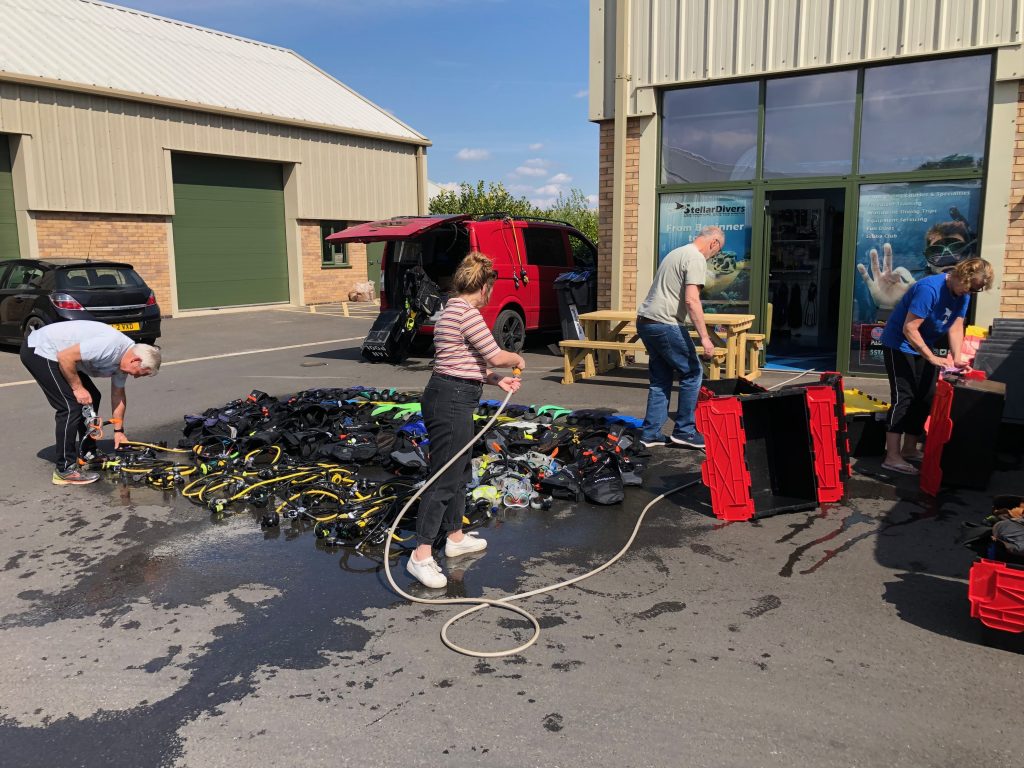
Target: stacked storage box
<point x="772" y="452"/>
<point x="996" y="584"/>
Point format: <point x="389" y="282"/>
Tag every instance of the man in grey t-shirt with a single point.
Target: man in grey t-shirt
<point x="660" y="322"/>
<point x="61" y="358"/>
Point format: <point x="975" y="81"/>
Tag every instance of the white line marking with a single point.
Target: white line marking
<point x="227" y="354"/>
<point x="260" y="351"/>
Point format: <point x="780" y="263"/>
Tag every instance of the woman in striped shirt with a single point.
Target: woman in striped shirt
<point x="465" y="353"/>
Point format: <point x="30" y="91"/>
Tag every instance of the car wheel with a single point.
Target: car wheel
<point x="33" y="323"/>
<point x="510" y="330"/>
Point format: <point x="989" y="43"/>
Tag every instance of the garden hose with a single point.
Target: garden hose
<point x="505" y="603"/>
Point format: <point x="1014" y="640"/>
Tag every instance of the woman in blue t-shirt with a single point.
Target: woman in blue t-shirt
<point x="930" y="309"/>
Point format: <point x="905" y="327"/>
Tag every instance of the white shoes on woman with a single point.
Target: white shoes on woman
<point x="428" y="572"/>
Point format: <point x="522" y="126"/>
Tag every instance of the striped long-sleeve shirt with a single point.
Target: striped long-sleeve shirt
<point x="463" y="343"/>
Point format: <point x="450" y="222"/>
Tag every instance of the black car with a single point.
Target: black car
<point x="35" y="292"/>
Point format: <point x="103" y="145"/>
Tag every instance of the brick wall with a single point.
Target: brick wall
<point x="604" y="222"/>
<point x="326" y="286"/>
<point x="138" y="240"/>
<point x="1012" y="293"/>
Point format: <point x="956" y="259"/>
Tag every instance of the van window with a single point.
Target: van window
<point x="583" y="254"/>
<point x="545" y="247"/>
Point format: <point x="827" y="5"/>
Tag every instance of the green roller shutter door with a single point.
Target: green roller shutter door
<point x="8" y="224"/>
<point x="229" y="232"/>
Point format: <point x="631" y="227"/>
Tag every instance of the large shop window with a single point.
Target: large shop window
<point x="925" y="115"/>
<point x="709" y="134"/>
<point x="681" y="216"/>
<point x="808" y="129"/>
<point x="905" y="232"/>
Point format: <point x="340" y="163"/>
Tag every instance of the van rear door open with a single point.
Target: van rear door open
<point x="398" y="228"/>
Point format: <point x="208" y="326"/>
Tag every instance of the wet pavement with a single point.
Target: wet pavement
<point x="139" y="630"/>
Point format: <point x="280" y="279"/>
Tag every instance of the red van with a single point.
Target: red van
<point x="528" y="254"/>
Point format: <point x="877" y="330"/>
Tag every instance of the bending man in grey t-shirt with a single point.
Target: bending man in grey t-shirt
<point x="660" y="323"/>
<point x="61" y="358"/>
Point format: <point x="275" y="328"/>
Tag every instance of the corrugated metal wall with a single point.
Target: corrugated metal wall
<point x="96" y="154"/>
<point x="688" y="41"/>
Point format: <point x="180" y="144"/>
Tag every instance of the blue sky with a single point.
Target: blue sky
<point x="498" y="86"/>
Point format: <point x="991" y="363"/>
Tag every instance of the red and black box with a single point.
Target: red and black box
<point x="772" y="452"/>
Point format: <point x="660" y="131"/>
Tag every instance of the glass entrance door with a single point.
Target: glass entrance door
<point x="803" y="249"/>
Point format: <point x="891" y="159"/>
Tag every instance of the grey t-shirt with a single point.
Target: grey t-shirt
<point x="100" y="345"/>
<point x="665" y="301"/>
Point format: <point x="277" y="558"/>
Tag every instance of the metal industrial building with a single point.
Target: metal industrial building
<point x="849" y="147"/>
<point x="214" y="164"/>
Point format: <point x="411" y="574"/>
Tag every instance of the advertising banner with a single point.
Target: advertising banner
<point x="681" y="217"/>
<point x="905" y="232"/>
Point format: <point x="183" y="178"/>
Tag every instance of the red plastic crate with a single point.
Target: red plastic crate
<point x="724" y="470"/>
<point x="996" y="592"/>
<point x="827" y="422"/>
<point x="759" y="453"/>
<point x="940" y="427"/>
<point x="824" y="423"/>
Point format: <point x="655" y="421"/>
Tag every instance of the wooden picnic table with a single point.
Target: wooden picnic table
<point x="728" y="331"/>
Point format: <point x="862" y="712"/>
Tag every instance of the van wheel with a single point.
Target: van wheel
<point x="510" y="330"/>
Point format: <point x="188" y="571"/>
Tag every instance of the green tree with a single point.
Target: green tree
<point x="493" y="198"/>
<point x="575" y="209"/>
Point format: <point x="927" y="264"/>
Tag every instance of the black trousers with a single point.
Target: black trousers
<point x="911" y="387"/>
<point x="70" y="426"/>
<point x="448" y="406"/>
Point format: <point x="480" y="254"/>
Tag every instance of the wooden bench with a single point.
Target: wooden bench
<point x="756" y="343"/>
<point x="574" y="352"/>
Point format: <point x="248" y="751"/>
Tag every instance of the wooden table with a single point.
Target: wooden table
<point x="726" y="330"/>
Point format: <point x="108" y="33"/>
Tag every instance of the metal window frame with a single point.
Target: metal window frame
<point x="850" y="183"/>
<point x="329" y="252"/>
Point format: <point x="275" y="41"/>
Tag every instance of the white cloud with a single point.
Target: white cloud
<point x="472" y="154"/>
<point x="525" y="170"/>
<point x="536" y="147"/>
<point x="543" y="202"/>
<point x="582" y="94"/>
<point x="519" y="189"/>
<point x="592" y="199"/>
<point x="536" y="162"/>
<point x="549" y="189"/>
<point x="560" y="178"/>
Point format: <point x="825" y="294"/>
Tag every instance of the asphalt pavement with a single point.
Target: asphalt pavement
<point x="138" y="630"/>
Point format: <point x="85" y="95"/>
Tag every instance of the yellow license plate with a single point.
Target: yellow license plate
<point x="126" y="326"/>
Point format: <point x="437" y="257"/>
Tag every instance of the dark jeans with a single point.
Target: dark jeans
<point x="70" y="426"/>
<point x="672" y="353"/>
<point x="448" y="406"/>
<point x="911" y="387"/>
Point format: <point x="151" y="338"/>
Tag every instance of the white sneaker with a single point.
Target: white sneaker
<point x="471" y="542"/>
<point x="427" y="572"/>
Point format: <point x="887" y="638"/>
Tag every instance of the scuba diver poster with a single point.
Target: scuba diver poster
<point x="681" y="217"/>
<point x="905" y="232"/>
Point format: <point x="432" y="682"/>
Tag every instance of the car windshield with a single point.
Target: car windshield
<point x="98" y="277"/>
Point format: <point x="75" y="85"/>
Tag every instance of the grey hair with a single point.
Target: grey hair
<point x="149" y="357"/>
<point x="712" y="230"/>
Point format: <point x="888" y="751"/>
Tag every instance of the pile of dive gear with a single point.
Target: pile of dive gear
<point x="345" y="461"/>
<point x="394" y="330"/>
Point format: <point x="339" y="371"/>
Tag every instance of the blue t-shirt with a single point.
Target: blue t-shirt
<point x="931" y="299"/>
